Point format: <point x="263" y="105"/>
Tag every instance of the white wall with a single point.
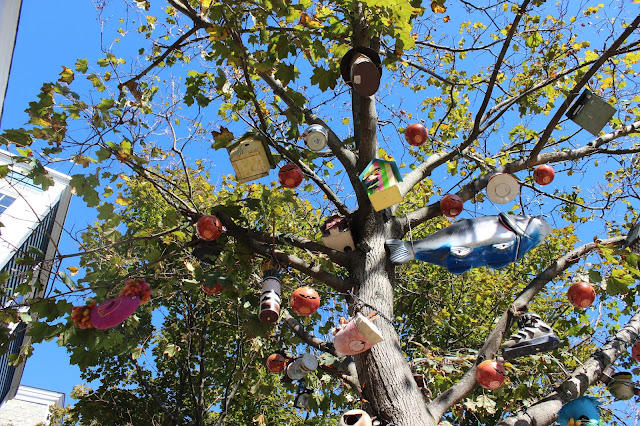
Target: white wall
<point x="9" y="16"/>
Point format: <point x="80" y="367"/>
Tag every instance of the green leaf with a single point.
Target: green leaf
<point x="66" y="76"/>
<point x="619" y="282"/>
<point x="324" y="79"/>
<point x="533" y="40"/>
<point x="82" y="65"/>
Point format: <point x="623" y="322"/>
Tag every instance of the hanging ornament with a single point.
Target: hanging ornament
<point x="276" y="363"/>
<point x="113" y="312"/>
<point x="356" y="335"/>
<point x="533" y="337"/>
<point x="590" y="112"/>
<point x="380" y="178"/>
<point x="81" y="315"/>
<point x="270" y="297"/>
<point x="316" y="137"/>
<point x="355" y="418"/>
<point x="451" y="205"/>
<point x="302" y="366"/>
<point x="361" y="69"/>
<point x="290" y="176"/>
<point x="582" y="411"/>
<point x="502" y="188"/>
<point x="209" y="228"/>
<point x="490" y="374"/>
<point x="581" y="294"/>
<point x="494" y="241"/>
<point x="621" y="386"/>
<point x="336" y="234"/>
<point x="212" y="290"/>
<point x="301" y="401"/>
<point x="635" y="351"/>
<point x="305" y="301"/>
<point x="543" y="174"/>
<point x="416" y="134"/>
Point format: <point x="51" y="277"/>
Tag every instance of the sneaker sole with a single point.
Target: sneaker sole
<point x="539" y="344"/>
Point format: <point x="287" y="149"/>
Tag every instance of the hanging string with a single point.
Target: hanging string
<point x="411" y="235"/>
<point x="359" y="303"/>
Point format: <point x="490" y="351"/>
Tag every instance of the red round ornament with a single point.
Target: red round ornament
<point x="276" y="363"/>
<point x="212" y="290"/>
<point x="290" y="176"/>
<point x="490" y="374"/>
<point x="543" y="174"/>
<point x="305" y="301"/>
<point x="581" y="294"/>
<point x="416" y="134"/>
<point x="209" y="228"/>
<point x="451" y="205"/>
<point x="635" y="351"/>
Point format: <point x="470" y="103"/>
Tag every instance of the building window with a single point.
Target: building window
<point x="5" y="202"/>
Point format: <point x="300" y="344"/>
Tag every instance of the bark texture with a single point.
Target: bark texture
<point x="384" y="373"/>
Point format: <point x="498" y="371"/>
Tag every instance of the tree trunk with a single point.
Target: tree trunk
<point x="386" y="379"/>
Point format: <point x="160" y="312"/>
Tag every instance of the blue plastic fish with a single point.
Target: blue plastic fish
<point x="494" y="241"/>
<point x="580" y="412"/>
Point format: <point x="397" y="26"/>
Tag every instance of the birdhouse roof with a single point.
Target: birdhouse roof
<point x="338" y="222"/>
<point x="379" y="162"/>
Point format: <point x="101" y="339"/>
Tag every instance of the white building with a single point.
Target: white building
<point x="32" y="222"/>
<point x="29" y="407"/>
<point x="9" y="17"/>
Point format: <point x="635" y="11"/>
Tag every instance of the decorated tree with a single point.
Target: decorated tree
<point x="430" y="131"/>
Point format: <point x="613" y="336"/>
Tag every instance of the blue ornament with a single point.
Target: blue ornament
<point x="494" y="241"/>
<point x="580" y="412"/>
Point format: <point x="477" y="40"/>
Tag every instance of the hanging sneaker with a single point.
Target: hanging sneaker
<point x="534" y="336"/>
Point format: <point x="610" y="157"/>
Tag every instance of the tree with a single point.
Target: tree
<point x="491" y="83"/>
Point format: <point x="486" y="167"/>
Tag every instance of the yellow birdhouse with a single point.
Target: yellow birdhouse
<point x="250" y="157"/>
<point x="380" y="179"/>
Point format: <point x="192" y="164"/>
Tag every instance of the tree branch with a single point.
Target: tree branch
<point x="307" y="337"/>
<point x="151" y="392"/>
<point x="176" y="44"/>
<point x="346" y="157"/>
<point x="576" y="89"/>
<point x="589" y="373"/>
<point x="244" y="237"/>
<point x="469" y="190"/>
<point x="331" y="196"/>
<point x="455" y="393"/>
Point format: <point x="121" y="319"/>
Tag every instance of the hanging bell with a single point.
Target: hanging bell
<point x="355" y="418"/>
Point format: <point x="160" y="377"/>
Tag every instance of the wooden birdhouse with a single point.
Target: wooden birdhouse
<point x="250" y="157"/>
<point x="590" y="112"/>
<point x="380" y="178"/>
<point x="336" y="234"/>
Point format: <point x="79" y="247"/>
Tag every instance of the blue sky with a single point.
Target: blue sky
<point x="50" y="34"/>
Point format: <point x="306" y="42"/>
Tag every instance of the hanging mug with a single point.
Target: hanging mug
<point x="358" y="335"/>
